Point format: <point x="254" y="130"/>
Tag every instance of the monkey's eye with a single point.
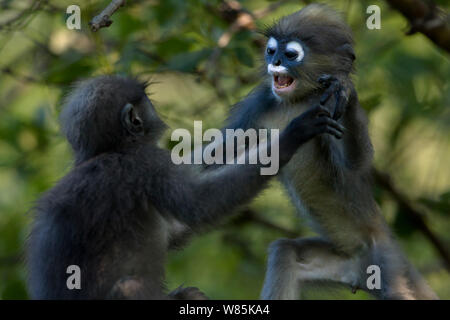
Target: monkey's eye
<point x="291" y="55"/>
<point x="272" y="45"/>
<point x="294" y="50"/>
<point x="270" y="51"/>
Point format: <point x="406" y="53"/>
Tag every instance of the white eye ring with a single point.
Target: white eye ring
<point x="297" y="47"/>
<point x="272" y="43"/>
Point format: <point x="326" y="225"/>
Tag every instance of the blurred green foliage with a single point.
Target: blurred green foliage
<point x="402" y="81"/>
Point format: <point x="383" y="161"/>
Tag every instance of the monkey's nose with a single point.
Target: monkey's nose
<point x="277" y="62"/>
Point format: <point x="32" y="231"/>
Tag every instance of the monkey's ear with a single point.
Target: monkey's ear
<point x="347" y="50"/>
<point x="347" y="56"/>
<point x="131" y="120"/>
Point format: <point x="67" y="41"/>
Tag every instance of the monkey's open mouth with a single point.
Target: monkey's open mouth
<point x="283" y="82"/>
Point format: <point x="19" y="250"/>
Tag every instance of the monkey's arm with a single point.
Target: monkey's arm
<point x="354" y="151"/>
<point x="244" y="115"/>
<point x="347" y="162"/>
<point x="358" y="147"/>
<point x="196" y="200"/>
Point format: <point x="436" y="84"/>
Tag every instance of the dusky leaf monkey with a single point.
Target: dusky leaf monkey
<point x="123" y="205"/>
<point x="309" y="58"/>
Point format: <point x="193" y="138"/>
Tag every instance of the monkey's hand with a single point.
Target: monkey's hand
<point x="187" y="293"/>
<point x="341" y="91"/>
<point x="311" y="123"/>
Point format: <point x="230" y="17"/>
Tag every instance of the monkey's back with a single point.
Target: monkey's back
<point x="93" y="218"/>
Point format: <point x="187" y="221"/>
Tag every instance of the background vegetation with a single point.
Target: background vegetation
<point x="204" y="56"/>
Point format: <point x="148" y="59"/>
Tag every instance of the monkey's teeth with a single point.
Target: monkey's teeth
<point x="282" y="81"/>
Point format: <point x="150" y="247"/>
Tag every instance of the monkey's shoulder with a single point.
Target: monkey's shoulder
<point x="102" y="185"/>
<point x="245" y="113"/>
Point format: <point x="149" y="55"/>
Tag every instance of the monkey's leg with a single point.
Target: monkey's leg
<point x="399" y="280"/>
<point x="292" y="262"/>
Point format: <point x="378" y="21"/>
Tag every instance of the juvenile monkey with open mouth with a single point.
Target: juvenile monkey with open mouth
<point x="309" y="59"/>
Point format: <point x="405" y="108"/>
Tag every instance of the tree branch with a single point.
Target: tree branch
<point x="22" y="15"/>
<point x="104" y="18"/>
<point x="19" y="77"/>
<point x="240" y="18"/>
<point x="415" y="215"/>
<point x="425" y="17"/>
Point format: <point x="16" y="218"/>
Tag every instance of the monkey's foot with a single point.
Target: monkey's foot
<point x="339" y="89"/>
<point x="188" y="293"/>
<point x="354" y="289"/>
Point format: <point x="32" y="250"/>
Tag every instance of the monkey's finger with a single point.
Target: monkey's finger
<point x="336" y="125"/>
<point x="324" y="98"/>
<point x="341" y="103"/>
<point x="337" y="99"/>
<point x="324" y="128"/>
<point x="331" y="123"/>
<point x="326" y="79"/>
<point x="329" y="92"/>
<point x="318" y="111"/>
<point x="334" y="132"/>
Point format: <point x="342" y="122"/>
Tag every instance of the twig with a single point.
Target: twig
<point x="23" y="78"/>
<point x="242" y="19"/>
<point x="201" y="73"/>
<point x="415" y="215"/>
<point x="22" y="14"/>
<point x="261" y="13"/>
<point x="425" y="17"/>
<point x="104" y="18"/>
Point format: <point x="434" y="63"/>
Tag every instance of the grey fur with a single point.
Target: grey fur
<point x="125" y="203"/>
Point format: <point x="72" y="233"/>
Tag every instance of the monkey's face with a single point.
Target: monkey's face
<point x="283" y="58"/>
<point x="305" y="45"/>
<point x="294" y="67"/>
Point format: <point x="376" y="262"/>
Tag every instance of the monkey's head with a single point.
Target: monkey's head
<point x="305" y="45"/>
<point x="107" y="114"/>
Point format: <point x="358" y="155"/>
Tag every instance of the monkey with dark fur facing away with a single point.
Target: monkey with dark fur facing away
<point x="328" y="179"/>
<point x="124" y="204"/>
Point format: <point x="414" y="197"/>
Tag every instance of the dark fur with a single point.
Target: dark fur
<point x="328" y="179"/>
<point x="116" y="213"/>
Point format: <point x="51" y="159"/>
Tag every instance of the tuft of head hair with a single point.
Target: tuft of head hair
<point x="322" y="29"/>
<point x="90" y="118"/>
<point x="318" y="24"/>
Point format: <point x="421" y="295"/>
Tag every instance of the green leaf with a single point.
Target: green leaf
<point x="244" y="56"/>
<point x="371" y="103"/>
<point x="188" y="62"/>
